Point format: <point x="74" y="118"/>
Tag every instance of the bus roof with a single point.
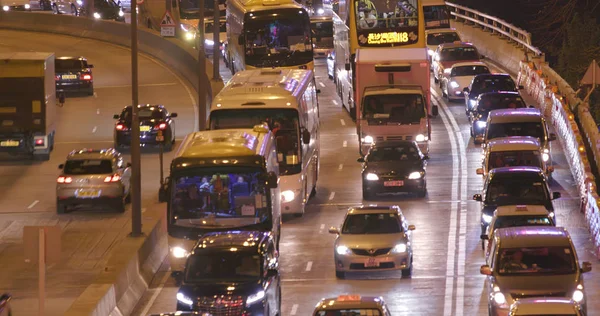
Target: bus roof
<point x="269" y="88"/>
<point x="259" y="5"/>
<point x="391" y="55"/>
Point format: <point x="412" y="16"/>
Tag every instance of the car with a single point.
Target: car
<point x="108" y="10"/>
<point x="373" y="238"/>
<point x="518" y="215"/>
<point x="459" y="77"/>
<point x="487" y="102"/>
<point x="514" y="151"/>
<point x="437" y="37"/>
<point x="5" y="309"/>
<point x="487" y="83"/>
<point x="93" y="177"/>
<point x="449" y="54"/>
<point x="67" y="7"/>
<point x="526" y="262"/>
<point x="74" y="74"/>
<point x="351" y="305"/>
<point x="232" y="273"/>
<point x="514" y="186"/>
<point x="393" y="166"/>
<point x="542" y="306"/>
<point x="15" y="5"/>
<point x="331" y="66"/>
<point x="154" y="118"/>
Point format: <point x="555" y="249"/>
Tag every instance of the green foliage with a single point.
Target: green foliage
<point x="580" y="46"/>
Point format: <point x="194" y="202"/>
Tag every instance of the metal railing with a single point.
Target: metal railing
<point x="494" y="25"/>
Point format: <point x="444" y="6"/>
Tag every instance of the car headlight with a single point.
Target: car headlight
<point x="415" y="175"/>
<point x="481" y="124"/>
<point x="184" y="299"/>
<point x="342" y="250"/>
<point x="486" y="218"/>
<point x="472" y="103"/>
<point x="27" y="6"/>
<point x="399" y="248"/>
<point x="5" y="8"/>
<point x="320" y="11"/>
<point x="97" y="15"/>
<point x="179" y="252"/>
<point x="80" y="2"/>
<point x="288" y="195"/>
<point x="189" y="36"/>
<point x="421" y="138"/>
<point x="372" y="177"/>
<point x="209" y="42"/>
<point x="121" y="13"/>
<point x="257" y="297"/>
<point x="499" y="298"/>
<point x="368" y="139"/>
<point x="578" y="296"/>
<point x="447" y="71"/>
<point x="546" y="151"/>
<point x="430" y="52"/>
<point x="454" y="84"/>
<point x="545" y="157"/>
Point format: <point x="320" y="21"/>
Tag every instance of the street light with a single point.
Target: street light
<point x="136" y="180"/>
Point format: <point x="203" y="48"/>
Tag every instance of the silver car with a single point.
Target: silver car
<point x="373" y="238"/>
<point x="540" y="306"/>
<point x="93" y="177"/>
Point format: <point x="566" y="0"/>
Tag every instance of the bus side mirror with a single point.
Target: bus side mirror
<point x="435" y="111"/>
<point x="272" y="180"/>
<point x="347" y="67"/>
<point x="241" y="39"/>
<point x="306" y="137"/>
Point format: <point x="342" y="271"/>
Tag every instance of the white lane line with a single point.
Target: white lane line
<point x="139" y="85"/>
<point x="294" y="309"/>
<point x="331" y="196"/>
<point x="322" y="227"/>
<point x="341" y="166"/>
<point x="322" y="84"/>
<point x="95" y="95"/>
<point x="33" y="204"/>
<point x="143" y="210"/>
<point x="342" y="122"/>
<point x="345" y="143"/>
<point x="308" y="266"/>
<point x="94" y="129"/>
<point x="156" y="293"/>
<point x="335" y="102"/>
<point x="98" y="111"/>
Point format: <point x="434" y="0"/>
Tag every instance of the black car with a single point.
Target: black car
<point x="487" y="83"/>
<point x="514" y="186"/>
<point x="232" y="273"/>
<point x="74" y="74"/>
<point x="154" y="118"/>
<point x="108" y="10"/>
<point x="487" y="102"/>
<point x="394" y="166"/>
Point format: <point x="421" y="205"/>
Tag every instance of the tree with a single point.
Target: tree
<point x="580" y="46"/>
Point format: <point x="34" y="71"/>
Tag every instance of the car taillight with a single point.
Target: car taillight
<point x="64" y="179"/>
<point x="120" y="127"/>
<point x="113" y="178"/>
<point x="57" y="77"/>
<point x="86" y="77"/>
<point x="161" y="126"/>
<point x="39" y="142"/>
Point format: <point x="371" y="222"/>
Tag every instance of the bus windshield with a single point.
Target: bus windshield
<point x="222" y="197"/>
<point x="283" y="123"/>
<point x="386" y="23"/>
<point x="278" y="37"/>
<point x="189" y="9"/>
<point x="402" y="109"/>
<point x="322" y="33"/>
<point x="436" y="16"/>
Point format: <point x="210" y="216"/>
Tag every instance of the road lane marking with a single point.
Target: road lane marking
<point x="98" y="111"/>
<point x="322" y="84"/>
<point x="33" y="204"/>
<point x="342" y="122"/>
<point x="345" y="143"/>
<point x="341" y="166"/>
<point x="331" y="196"/>
<point x="143" y="210"/>
<point x="322" y="227"/>
<point x="335" y="102"/>
<point x="308" y="266"/>
<point x="139" y="85"/>
<point x="294" y="309"/>
<point x="94" y="129"/>
<point x="157" y="291"/>
<point x="95" y="95"/>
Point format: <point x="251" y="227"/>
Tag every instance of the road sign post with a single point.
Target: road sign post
<point x="160" y="138"/>
<point x="136" y="161"/>
<point x="167" y="25"/>
<point x="42" y="244"/>
<point x="203" y="82"/>
<point x="216" y="40"/>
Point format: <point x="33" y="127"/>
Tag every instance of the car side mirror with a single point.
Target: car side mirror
<point x="556" y="195"/>
<point x="411" y="227"/>
<point x="485" y="270"/>
<point x="550" y="168"/>
<point x="479" y="171"/>
<point x="173" y="115"/>
<point x="477" y="197"/>
<point x="552" y="137"/>
<point x="521" y="87"/>
<point x="425" y="157"/>
<point x="272" y="273"/>
<point x="116" y="116"/>
<point x="484" y="237"/>
<point x="334" y="230"/>
<point x="61" y="166"/>
<point x="347" y="67"/>
<point x="318" y="91"/>
<point x="586" y="267"/>
<point x="531" y="106"/>
<point x="435" y="111"/>
<point x="482" y="56"/>
<point x="128" y="165"/>
<point x="272" y="180"/>
<point x="306" y="137"/>
<point x="241" y="39"/>
<point x="361" y="159"/>
<point x="90" y="66"/>
<point x="466" y="90"/>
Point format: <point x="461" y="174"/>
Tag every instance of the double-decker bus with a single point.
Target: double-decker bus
<point x="268" y="33"/>
<point x="437" y="14"/>
<point x="371" y="24"/>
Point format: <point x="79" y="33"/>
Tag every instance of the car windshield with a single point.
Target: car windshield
<point x="461" y="71"/>
<point x="208" y="27"/>
<point x="442" y="38"/>
<point x="283" y="123"/>
<point x="459" y="53"/>
<point x="220" y="197"/>
<point x="533" y="129"/>
<point x="223" y="265"/>
<point x="60" y="64"/>
<point x="396" y="153"/>
<point x="514" y="158"/>
<point x="350" y="312"/>
<point x="536" y="261"/>
<point x="375" y="223"/>
<point x="144" y="114"/>
<point x="402" y="109"/>
<point x="322" y="33"/>
<point x="499" y="101"/>
<point x="512" y="189"/>
<point x="88" y="166"/>
<point x="522" y="220"/>
<point x="492" y="83"/>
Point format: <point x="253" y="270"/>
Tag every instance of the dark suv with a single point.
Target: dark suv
<point x="74" y="74"/>
<point x="232" y="273"/>
<point x="514" y="186"/>
<point x="487" y="83"/>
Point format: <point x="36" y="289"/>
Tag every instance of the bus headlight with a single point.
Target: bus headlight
<point x="414" y="175"/>
<point x="421" y="138"/>
<point x="372" y="177"/>
<point x="545" y="157"/>
<point x="454" y="84"/>
<point x="320" y="11"/>
<point x="288" y="195"/>
<point x="5" y="8"/>
<point x="481" y="124"/>
<point x="368" y="139"/>
<point x="27" y="6"/>
<point x="179" y="252"/>
<point x="578" y="296"/>
<point x="499" y="298"/>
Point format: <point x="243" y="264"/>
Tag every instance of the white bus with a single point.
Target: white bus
<point x="286" y="99"/>
<point x="268" y="33"/>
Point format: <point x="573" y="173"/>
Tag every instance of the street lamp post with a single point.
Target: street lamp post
<point x="202" y="82"/>
<point x="216" y="39"/>
<point x="136" y="181"/>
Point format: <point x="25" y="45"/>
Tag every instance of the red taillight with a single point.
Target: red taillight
<point x="56" y="78"/>
<point x="113" y="178"/>
<point x="120" y="127"/>
<point x="39" y="142"/>
<point x="161" y="126"/>
<point x="64" y="180"/>
<point x="86" y="77"/>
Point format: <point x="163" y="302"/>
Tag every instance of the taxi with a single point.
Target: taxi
<point x="352" y="305"/>
<point x="540" y="306"/>
<point x="514" y="151"/>
<point x="449" y="54"/>
<point x="436" y="37"/>
<point x="459" y="77"/>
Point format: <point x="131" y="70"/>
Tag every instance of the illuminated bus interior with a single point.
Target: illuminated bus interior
<point x="322" y="33"/>
<point x="436" y="16"/>
<point x="386" y="23"/>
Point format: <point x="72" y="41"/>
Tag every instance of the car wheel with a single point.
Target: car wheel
<point x="120" y="206"/>
<point x="340" y="274"/>
<point x="91" y="91"/>
<point x="61" y="208"/>
<point x="407" y="273"/>
<point x="422" y="193"/>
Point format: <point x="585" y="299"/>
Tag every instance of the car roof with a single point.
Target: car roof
<point x="511" y="93"/>
<point x="493" y="75"/>
<point x="456" y="45"/>
<point x="239" y="240"/>
<point x="469" y="63"/>
<point x="159" y="107"/>
<point x="516" y="115"/>
<point x="539" y="305"/>
<point x="350" y="302"/>
<point x="520" y="210"/>
<point x="532" y="236"/>
<point x="394" y="143"/>
<point x="88" y="153"/>
<point x="374" y="209"/>
<point x="513" y="143"/>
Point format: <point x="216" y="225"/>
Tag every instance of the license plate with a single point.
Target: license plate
<point x="371" y="263"/>
<point x="396" y="183"/>
<point x="88" y="194"/>
<point x="144" y="128"/>
<point x="9" y="143"/>
<point x="69" y="76"/>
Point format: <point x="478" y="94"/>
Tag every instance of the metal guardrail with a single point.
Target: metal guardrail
<point x="495" y="25"/>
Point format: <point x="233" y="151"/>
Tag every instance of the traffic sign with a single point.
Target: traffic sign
<point x="167" y="19"/>
<point x="167" y="31"/>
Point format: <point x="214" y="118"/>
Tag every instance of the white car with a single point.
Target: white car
<point x="540" y="306"/>
<point x="72" y="7"/>
<point x="459" y="77"/>
<point x="15" y="5"/>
